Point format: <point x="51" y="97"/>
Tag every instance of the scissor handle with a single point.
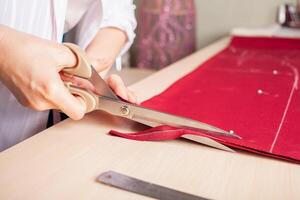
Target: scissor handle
<point x="82" y="68"/>
<point x="90" y="99"/>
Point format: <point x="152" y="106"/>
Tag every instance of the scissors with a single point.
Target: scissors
<point x="103" y="98"/>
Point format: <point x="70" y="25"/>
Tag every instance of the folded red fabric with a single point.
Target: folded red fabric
<point x="251" y="88"/>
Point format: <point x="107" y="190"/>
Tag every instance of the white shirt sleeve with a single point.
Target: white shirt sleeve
<point x="101" y="14"/>
<point x="87" y="27"/>
<point x="120" y="14"/>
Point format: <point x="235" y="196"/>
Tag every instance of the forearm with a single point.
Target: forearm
<point x="3" y="33"/>
<point x="3" y="30"/>
<point x="105" y="47"/>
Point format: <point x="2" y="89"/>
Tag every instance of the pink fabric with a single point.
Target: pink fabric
<point x="251" y="87"/>
<point x="166" y="32"/>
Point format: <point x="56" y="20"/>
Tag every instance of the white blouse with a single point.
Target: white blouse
<point x="49" y="19"/>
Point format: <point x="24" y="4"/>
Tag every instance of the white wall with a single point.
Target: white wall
<point x="215" y="18"/>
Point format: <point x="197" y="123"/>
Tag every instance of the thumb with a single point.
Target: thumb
<point x="73" y="106"/>
<point x="65" y="58"/>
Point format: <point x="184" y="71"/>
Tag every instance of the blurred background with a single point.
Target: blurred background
<point x="216" y="18"/>
<point x="169" y="30"/>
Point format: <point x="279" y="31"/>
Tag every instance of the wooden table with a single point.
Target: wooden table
<point x="63" y="162"/>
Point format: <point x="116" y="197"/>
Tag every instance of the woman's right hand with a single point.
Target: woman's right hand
<point x="30" y="66"/>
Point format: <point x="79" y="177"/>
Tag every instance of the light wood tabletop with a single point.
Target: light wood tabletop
<point x="63" y="161"/>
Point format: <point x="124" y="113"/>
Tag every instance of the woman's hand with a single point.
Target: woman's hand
<point x="30" y="66"/>
<point x="103" y="50"/>
<point x="116" y="83"/>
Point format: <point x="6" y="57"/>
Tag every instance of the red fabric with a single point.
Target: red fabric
<point x="251" y="87"/>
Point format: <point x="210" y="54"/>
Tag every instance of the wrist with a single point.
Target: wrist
<point x="105" y="47"/>
<point x="102" y="63"/>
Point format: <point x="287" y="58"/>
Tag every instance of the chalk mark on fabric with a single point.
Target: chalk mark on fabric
<point x="295" y="87"/>
<point x="243" y="57"/>
<point x="259" y="91"/>
<point x="275" y="72"/>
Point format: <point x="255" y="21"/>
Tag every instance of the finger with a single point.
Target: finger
<point x="37" y="102"/>
<point x="117" y="85"/>
<point x="72" y="106"/>
<point x="66" y="77"/>
<point x="32" y="100"/>
<point x="64" y="57"/>
<point x="79" y="82"/>
<point x="131" y="96"/>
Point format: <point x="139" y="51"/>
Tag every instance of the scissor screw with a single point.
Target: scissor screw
<point x="125" y="110"/>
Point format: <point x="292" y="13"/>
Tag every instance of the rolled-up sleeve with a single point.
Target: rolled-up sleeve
<point x="101" y="14"/>
<point x="120" y="14"/>
<point x="87" y="27"/>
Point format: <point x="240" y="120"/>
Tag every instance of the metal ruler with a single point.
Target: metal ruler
<point x="131" y="184"/>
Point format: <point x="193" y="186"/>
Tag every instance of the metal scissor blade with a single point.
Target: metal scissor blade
<point x="101" y="87"/>
<point x="155" y="118"/>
